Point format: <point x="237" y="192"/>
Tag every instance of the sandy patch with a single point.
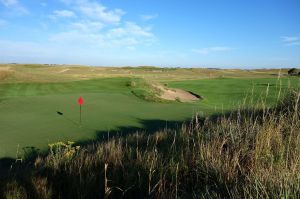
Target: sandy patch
<point x="177" y="94"/>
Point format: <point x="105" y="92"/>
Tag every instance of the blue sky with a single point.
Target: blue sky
<point x="189" y="33"/>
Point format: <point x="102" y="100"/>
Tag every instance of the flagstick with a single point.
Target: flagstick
<point x="80" y="102"/>
<point x="80" y="114"/>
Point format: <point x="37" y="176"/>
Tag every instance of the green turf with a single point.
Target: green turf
<point x="28" y="110"/>
<point x="228" y="93"/>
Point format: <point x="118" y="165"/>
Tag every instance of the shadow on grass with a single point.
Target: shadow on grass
<point x="148" y="127"/>
<point x="94" y="186"/>
<point x="11" y="169"/>
<point x="5" y="163"/>
<point x="10" y="166"/>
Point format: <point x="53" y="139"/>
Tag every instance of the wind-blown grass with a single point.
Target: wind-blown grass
<point x="249" y="153"/>
<point x="144" y="90"/>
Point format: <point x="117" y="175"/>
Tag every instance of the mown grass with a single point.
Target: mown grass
<point x="252" y="152"/>
<point x="226" y="93"/>
<point x="28" y="115"/>
<point x="28" y="110"/>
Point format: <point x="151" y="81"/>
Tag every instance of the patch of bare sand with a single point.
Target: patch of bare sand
<point x="176" y="94"/>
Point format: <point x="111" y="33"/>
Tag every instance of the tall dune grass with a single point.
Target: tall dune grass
<point x="253" y="152"/>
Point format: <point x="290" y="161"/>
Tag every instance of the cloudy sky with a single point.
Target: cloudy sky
<point x="204" y="33"/>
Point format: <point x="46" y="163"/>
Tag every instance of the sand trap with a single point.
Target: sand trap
<point x="177" y="94"/>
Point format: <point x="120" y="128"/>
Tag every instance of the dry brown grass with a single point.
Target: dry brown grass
<point x="58" y="73"/>
<point x="5" y="73"/>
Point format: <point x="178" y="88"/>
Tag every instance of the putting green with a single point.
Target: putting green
<point x="28" y="115"/>
<point x="28" y="112"/>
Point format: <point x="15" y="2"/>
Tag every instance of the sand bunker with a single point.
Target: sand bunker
<point x="177" y="94"/>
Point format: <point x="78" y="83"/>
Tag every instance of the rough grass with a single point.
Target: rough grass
<point x="144" y="90"/>
<point x="5" y="75"/>
<point x="252" y="152"/>
<point x="53" y="73"/>
<point x="156" y="92"/>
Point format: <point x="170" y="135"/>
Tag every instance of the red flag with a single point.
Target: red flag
<point x="80" y="101"/>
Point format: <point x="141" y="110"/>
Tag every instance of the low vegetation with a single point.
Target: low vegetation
<point x="144" y="90"/>
<point x="294" y="71"/>
<point x="252" y="152"/>
<point x="5" y="73"/>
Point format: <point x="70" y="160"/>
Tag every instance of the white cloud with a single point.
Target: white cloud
<point x="91" y="34"/>
<point x="100" y="27"/>
<point x="75" y="37"/>
<point x="95" y="10"/>
<point x="91" y="29"/>
<point x="131" y="29"/>
<point x="148" y="17"/>
<point x="93" y="40"/>
<point x="205" y="51"/>
<point x="127" y="42"/>
<point x="15" y="6"/>
<point x="131" y="34"/>
<point x="62" y="13"/>
<point x="291" y="40"/>
<point x="87" y="26"/>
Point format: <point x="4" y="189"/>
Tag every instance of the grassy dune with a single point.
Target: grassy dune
<point x="12" y="73"/>
<point x="252" y="152"/>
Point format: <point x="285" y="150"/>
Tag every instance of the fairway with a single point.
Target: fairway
<point x="228" y="93"/>
<point x="28" y="110"/>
